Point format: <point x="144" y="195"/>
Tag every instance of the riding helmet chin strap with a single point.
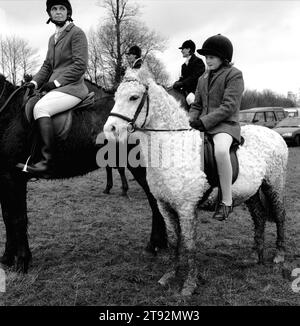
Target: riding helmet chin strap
<point x="59" y="23"/>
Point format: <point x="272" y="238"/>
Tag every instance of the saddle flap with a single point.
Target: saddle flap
<point x="210" y="164"/>
<point x="61" y="122"/>
<point x="89" y="100"/>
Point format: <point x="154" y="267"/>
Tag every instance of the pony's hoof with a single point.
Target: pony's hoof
<point x="279" y="257"/>
<point x="189" y="288"/>
<point x="167" y="277"/>
<point x="106" y="191"/>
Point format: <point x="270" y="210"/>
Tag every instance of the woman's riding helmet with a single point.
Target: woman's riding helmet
<point x="66" y="3"/>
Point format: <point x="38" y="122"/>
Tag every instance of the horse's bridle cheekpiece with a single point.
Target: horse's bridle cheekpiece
<point x="131" y="127"/>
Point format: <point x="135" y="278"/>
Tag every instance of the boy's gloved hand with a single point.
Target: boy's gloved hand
<point x="177" y="85"/>
<point x="47" y="87"/>
<point x="197" y="124"/>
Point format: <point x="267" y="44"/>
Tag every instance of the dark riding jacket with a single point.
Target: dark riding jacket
<point x="66" y="62"/>
<point x="190" y="74"/>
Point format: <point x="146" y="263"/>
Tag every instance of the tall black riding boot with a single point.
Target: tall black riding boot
<point x="43" y="167"/>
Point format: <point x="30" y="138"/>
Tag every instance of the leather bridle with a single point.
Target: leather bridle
<point x="131" y="126"/>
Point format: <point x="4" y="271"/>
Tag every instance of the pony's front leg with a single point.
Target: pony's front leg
<point x="158" y="238"/>
<point x="14" y="207"/>
<point x="173" y="230"/>
<point x="188" y="225"/>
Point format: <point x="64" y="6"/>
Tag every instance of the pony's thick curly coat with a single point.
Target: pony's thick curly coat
<point x="178" y="181"/>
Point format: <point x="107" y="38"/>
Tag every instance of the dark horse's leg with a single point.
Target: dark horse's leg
<point x="14" y="211"/>
<point x="158" y="237"/>
<point x="124" y="181"/>
<point x="109" y="180"/>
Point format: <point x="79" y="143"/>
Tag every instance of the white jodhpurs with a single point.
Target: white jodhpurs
<point x="54" y="102"/>
<point x="222" y="143"/>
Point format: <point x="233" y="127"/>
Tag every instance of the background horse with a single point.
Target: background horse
<point x="74" y="156"/>
<point x="178" y="181"/>
<point x="100" y="93"/>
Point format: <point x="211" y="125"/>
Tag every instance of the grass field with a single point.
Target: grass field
<point x="88" y="250"/>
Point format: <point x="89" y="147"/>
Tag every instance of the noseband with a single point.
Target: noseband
<point x="131" y="126"/>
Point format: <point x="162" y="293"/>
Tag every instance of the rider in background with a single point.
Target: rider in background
<point x="216" y="111"/>
<point x="134" y="57"/>
<point x="191" y="70"/>
<point x="61" y="77"/>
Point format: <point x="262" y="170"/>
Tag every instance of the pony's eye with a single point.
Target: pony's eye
<point x="133" y="98"/>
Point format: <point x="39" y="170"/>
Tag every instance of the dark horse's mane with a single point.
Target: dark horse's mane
<point x="99" y="91"/>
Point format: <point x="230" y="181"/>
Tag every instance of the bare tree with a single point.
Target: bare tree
<point x="253" y="98"/>
<point x="17" y="58"/>
<point x="157" y="69"/>
<point x="113" y="38"/>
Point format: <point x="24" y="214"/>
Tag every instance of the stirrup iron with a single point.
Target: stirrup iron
<point x="26" y="164"/>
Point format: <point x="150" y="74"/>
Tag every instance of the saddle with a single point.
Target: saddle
<point x="62" y="122"/>
<point x="210" y="164"/>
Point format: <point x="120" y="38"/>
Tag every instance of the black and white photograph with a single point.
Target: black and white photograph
<point x="149" y="156"/>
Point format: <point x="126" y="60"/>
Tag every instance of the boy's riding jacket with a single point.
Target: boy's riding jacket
<point x="190" y="73"/>
<point x="66" y="62"/>
<point x="217" y="101"/>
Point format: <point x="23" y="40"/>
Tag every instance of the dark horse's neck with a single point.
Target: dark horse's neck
<point x="7" y="89"/>
<point x="74" y="156"/>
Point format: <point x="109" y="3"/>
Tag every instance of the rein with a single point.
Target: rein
<point x="10" y="97"/>
<point x="131" y="127"/>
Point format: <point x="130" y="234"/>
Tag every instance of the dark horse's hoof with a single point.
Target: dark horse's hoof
<point x="106" y="191"/>
<point x="22" y="264"/>
<point x="154" y="249"/>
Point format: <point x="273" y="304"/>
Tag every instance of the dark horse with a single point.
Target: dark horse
<point x="74" y="156"/>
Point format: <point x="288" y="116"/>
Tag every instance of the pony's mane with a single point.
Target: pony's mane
<point x="167" y="109"/>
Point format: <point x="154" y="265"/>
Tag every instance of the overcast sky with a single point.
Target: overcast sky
<point x="265" y="34"/>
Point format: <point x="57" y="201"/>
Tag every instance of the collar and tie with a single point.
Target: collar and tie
<point x="59" y="31"/>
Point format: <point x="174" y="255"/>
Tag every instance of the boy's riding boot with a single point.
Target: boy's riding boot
<point x="43" y="167"/>
<point x="222" y="212"/>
